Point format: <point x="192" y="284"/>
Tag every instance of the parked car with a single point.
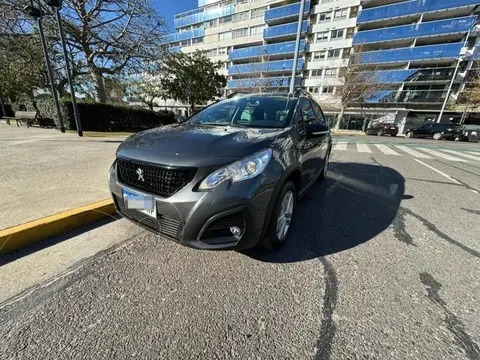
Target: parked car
<point x="227" y="178"/>
<point x="436" y="131"/>
<point x="381" y="129"/>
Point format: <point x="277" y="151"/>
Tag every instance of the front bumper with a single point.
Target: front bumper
<point x="202" y="219"/>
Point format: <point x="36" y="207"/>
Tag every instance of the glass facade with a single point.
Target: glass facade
<point x="266" y="50"/>
<point x="441" y="27"/>
<point x="184" y="35"/>
<point x="285" y="11"/>
<point x="264" y="67"/>
<point x="265" y="82"/>
<point x="406" y="96"/>
<point x="410" y="8"/>
<point x="412" y="75"/>
<point x="204" y="16"/>
<point x="283" y="30"/>
<point x="430" y="52"/>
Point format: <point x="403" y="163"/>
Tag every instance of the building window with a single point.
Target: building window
<point x="225" y="19"/>
<point x="334" y="54"/>
<point x="240" y="16"/>
<point x="197" y="40"/>
<point x="240" y="33"/>
<point x="316" y="73"/>
<point x="315" y="90"/>
<point x="346" y="53"/>
<point x="324" y="17"/>
<point x="222" y="51"/>
<point x="319" y="55"/>
<point x="330" y="73"/>
<point x="340" y="15"/>
<point x="322" y="36"/>
<point x="256" y="29"/>
<point x="210" y="24"/>
<point x="258" y="13"/>
<point x="353" y="12"/>
<point x="337" y="34"/>
<point x="210" y="53"/>
<point x="225" y="35"/>
<point x="327" y="90"/>
<point x="350" y="32"/>
<point x="185" y="43"/>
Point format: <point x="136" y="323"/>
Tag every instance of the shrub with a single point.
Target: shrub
<point x="104" y="117"/>
<point x="8" y="110"/>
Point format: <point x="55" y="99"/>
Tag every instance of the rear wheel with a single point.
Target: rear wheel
<point x="437" y="136"/>
<point x="409" y="134"/>
<point x="282" y="217"/>
<point x="394" y="135"/>
<point x="380" y="133"/>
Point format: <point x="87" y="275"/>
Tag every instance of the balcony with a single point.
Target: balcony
<point x="410" y="8"/>
<point x="285" y="13"/>
<point x="433" y="28"/>
<point x="283" y="31"/>
<point x="413" y="75"/>
<point x="264" y="67"/>
<point x="419" y="53"/>
<point x="407" y="96"/>
<point x="266" y="50"/>
<point x="273" y="82"/>
<point x="200" y="17"/>
<point x="184" y="35"/>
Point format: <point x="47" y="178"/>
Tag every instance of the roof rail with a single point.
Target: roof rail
<point x="235" y="93"/>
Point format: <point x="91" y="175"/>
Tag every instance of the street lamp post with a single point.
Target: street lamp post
<point x="455" y="72"/>
<point x="297" y="47"/>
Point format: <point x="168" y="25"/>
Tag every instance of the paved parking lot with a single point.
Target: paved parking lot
<point x="383" y="263"/>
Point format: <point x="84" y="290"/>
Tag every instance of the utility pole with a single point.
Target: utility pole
<point x="297" y="47"/>
<point x="37" y="14"/>
<point x="50" y="74"/>
<point x="69" y="73"/>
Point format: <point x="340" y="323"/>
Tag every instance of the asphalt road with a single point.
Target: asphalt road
<point x="383" y="262"/>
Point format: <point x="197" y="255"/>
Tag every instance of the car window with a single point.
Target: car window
<point x="252" y="111"/>
<point x="319" y="113"/>
<point x="306" y="111"/>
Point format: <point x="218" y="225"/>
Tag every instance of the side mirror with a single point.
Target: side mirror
<point x="317" y="130"/>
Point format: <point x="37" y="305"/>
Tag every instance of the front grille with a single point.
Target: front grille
<point x="163" y="225"/>
<point x="221" y="227"/>
<point x="153" y="178"/>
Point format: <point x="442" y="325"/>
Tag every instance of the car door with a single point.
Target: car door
<point x="423" y="130"/>
<point x="321" y="133"/>
<point x="313" y="135"/>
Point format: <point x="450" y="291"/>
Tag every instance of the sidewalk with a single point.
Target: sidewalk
<point x="44" y="172"/>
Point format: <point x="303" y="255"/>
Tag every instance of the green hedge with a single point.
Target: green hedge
<point x="105" y="117"/>
<point x="8" y="110"/>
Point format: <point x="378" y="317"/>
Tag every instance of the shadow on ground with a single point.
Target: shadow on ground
<point x="355" y="204"/>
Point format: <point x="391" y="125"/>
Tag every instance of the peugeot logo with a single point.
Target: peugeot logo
<point x="140" y="175"/>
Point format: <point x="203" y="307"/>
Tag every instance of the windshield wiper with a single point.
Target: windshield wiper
<point x="214" y="124"/>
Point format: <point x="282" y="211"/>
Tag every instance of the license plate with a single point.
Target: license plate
<point x="144" y="204"/>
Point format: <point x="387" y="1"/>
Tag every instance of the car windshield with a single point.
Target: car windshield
<point x="249" y="111"/>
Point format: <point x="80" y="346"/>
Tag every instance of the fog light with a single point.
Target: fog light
<point x="235" y="230"/>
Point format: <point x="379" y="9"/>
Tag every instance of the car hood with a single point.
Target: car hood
<point x="196" y="145"/>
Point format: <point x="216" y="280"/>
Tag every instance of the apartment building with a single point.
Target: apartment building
<point x="415" y="44"/>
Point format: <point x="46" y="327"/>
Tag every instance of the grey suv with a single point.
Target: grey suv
<point x="229" y="177"/>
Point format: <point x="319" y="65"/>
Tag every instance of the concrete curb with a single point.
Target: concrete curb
<point x="21" y="236"/>
<point x="348" y="133"/>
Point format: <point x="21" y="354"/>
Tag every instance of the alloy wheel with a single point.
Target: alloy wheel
<point x="285" y="215"/>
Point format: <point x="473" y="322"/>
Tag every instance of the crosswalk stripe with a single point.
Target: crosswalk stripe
<point x="363" y="148"/>
<point x="458" y="153"/>
<point x="441" y="155"/>
<point x="386" y="150"/>
<point x="413" y="152"/>
<point x="474" y="152"/>
<point x="341" y="146"/>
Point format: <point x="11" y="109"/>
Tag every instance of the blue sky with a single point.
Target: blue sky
<point x="168" y="8"/>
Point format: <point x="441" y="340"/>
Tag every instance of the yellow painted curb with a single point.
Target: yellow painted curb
<point x="20" y="236"/>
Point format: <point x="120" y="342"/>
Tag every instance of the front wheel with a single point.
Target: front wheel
<point x="437" y="136"/>
<point x="282" y="217"/>
<point x="409" y="134"/>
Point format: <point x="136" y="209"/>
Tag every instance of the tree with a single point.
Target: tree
<point x="469" y="99"/>
<point x="113" y="36"/>
<point x="147" y="87"/>
<point x="359" y="83"/>
<point x="192" y="79"/>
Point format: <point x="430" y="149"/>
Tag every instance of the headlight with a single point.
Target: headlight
<point x="238" y="171"/>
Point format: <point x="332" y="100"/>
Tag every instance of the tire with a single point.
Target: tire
<point x="323" y="175"/>
<point x="410" y="135"/>
<point x="393" y="135"/>
<point x="437" y="136"/>
<point x="273" y="241"/>
<point x="380" y="133"/>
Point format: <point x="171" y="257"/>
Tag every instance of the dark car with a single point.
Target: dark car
<point x="437" y="131"/>
<point x="229" y="177"/>
<point x="381" y="129"/>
